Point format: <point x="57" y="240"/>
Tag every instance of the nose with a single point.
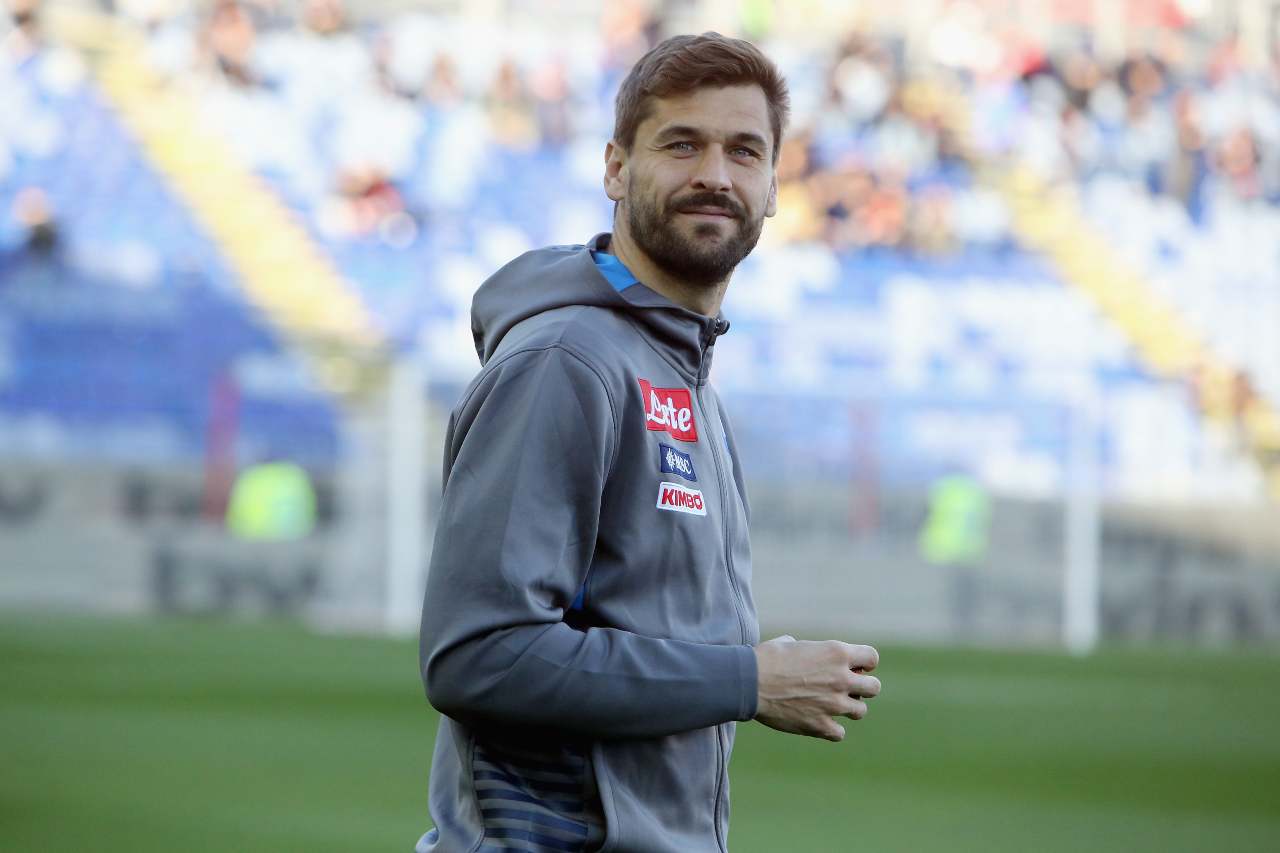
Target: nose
<point x="712" y="172"/>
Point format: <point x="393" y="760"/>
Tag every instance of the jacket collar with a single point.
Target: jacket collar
<point x="684" y="337"/>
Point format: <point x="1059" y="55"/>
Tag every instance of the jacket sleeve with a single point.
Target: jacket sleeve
<point x="532" y="447"/>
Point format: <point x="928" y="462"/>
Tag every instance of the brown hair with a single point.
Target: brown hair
<point x="684" y="63"/>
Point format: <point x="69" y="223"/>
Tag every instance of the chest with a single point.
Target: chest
<point x="673" y="541"/>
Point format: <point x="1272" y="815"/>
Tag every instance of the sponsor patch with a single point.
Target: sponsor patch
<point x="675" y="462"/>
<point x="677" y="498"/>
<point x="669" y="410"/>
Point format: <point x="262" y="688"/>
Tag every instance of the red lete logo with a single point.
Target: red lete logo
<point x="669" y="410"/>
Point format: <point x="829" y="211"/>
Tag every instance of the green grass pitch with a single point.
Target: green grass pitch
<point x="212" y="736"/>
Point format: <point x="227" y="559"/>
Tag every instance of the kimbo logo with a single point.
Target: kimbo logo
<point x="677" y="498"/>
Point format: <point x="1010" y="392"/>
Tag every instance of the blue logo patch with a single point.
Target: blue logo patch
<point x="675" y="462"/>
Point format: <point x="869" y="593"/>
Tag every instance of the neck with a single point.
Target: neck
<point x="702" y="299"/>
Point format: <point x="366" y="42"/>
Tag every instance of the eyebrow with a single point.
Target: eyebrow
<point x="678" y="130"/>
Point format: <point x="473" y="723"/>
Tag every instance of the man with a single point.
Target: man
<point x="588" y="631"/>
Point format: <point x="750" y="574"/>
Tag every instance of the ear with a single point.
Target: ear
<point x="771" y="206"/>
<point x="615" y="171"/>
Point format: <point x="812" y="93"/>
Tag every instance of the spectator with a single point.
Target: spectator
<point x="511" y="109"/>
<point x="228" y="41"/>
<point x="24" y="40"/>
<point x="34" y="211"/>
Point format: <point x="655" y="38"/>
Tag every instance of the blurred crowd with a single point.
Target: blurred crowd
<point x="386" y="132"/>
<point x="26" y="127"/>
<point x="381" y="116"/>
<point x="1189" y="120"/>
<point x="880" y="155"/>
<point x="367" y="122"/>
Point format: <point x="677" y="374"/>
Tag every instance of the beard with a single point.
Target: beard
<point x="706" y="259"/>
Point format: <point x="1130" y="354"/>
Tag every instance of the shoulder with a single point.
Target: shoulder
<point x="581" y="344"/>
<point x="541" y="262"/>
<point x="600" y="337"/>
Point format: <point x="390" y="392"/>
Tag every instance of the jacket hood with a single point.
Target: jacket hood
<point x="561" y="276"/>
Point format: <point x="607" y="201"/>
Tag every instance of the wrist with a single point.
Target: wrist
<point x="749" y="679"/>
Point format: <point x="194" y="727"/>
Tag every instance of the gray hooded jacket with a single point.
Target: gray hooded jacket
<point x="588" y="620"/>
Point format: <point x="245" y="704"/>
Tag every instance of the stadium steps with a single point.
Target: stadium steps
<point x="1048" y="219"/>
<point x="287" y="277"/>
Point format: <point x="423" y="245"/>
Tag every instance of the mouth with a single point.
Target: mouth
<point x="715" y="213"/>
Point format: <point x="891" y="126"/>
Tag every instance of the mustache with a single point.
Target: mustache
<point x="711" y="200"/>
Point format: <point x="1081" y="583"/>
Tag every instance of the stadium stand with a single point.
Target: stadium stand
<point x="122" y="324"/>
<point x="899" y="300"/>
<point x="1173" y="155"/>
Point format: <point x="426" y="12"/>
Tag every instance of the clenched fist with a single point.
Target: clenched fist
<point x="804" y="684"/>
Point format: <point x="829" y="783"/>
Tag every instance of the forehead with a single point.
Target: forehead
<point x="717" y="111"/>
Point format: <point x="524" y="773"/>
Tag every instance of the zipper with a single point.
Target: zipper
<point x="738" y="605"/>
<point x="722" y="771"/>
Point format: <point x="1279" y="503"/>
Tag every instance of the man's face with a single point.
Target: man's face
<point x="698" y="182"/>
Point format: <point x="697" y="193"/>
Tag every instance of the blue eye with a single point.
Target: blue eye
<point x="676" y="146"/>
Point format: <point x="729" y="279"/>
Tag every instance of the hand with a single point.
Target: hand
<point x="804" y="684"/>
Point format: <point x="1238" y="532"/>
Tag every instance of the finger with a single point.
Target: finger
<point x="863" y="686"/>
<point x="855" y="709"/>
<point x="832" y="731"/>
<point x="863" y="658"/>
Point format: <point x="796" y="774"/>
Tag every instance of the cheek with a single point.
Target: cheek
<point x="668" y="179"/>
<point x="762" y="188"/>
